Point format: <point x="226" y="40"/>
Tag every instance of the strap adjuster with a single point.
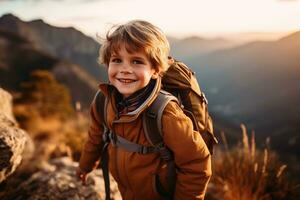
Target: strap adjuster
<point x="105" y="137"/>
<point x="151" y="115"/>
<point x="112" y="137"/>
<point x="160" y="146"/>
<point x="143" y="150"/>
<point x="164" y="152"/>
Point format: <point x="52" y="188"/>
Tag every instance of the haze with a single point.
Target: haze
<point x="255" y="19"/>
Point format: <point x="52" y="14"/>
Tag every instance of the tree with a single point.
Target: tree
<point x="45" y="94"/>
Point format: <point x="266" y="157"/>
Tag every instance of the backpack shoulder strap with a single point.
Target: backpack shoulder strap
<point x="101" y="103"/>
<point x="152" y="117"/>
<point x="153" y="131"/>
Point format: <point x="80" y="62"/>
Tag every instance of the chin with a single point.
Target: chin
<point x="126" y="94"/>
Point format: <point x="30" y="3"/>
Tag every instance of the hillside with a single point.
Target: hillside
<point x="19" y="57"/>
<point x="257" y="84"/>
<point x="63" y="43"/>
<point x="191" y="46"/>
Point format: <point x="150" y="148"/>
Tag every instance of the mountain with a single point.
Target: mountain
<point x="257" y="84"/>
<point x="64" y="43"/>
<point x="19" y="57"/>
<point x="184" y="49"/>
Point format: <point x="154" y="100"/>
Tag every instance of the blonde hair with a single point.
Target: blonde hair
<point x="137" y="35"/>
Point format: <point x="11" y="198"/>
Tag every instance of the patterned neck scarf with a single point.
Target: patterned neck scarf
<point x="132" y="102"/>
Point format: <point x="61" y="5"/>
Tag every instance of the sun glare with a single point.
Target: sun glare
<point x="177" y="18"/>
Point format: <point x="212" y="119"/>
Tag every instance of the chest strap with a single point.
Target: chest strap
<point x="118" y="141"/>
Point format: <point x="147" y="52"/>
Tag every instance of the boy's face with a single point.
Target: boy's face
<point x="129" y="72"/>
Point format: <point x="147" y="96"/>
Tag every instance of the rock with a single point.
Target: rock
<point x="6" y="104"/>
<point x="38" y="179"/>
<point x="12" y="145"/>
<point x="13" y="140"/>
<point x="58" y="181"/>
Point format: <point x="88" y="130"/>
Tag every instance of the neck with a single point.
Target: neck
<point x="132" y="102"/>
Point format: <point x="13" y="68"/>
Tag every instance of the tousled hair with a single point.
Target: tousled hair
<point x="137" y="35"/>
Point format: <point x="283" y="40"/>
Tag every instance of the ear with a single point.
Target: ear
<point x="155" y="75"/>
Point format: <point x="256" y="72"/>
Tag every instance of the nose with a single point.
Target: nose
<point x="126" y="68"/>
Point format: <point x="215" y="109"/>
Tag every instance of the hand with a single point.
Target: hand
<point x="81" y="175"/>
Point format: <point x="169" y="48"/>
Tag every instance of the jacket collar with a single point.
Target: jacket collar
<point x="110" y="92"/>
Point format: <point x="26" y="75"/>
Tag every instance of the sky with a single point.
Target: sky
<point x="178" y="18"/>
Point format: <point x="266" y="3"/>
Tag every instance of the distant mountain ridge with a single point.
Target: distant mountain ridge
<point x="64" y="43"/>
<point x="19" y="57"/>
<point x="257" y="84"/>
<point x="184" y="49"/>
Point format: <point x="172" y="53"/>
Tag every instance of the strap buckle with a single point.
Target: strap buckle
<point x="151" y="115"/>
<point x="143" y="150"/>
<point x="112" y="137"/>
<point x="109" y="136"/>
<point x="160" y="146"/>
<point x="164" y="152"/>
<point x="105" y="136"/>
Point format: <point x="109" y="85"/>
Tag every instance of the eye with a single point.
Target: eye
<point x="137" y="62"/>
<point x="116" y="60"/>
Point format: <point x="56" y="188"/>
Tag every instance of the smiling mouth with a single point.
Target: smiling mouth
<point x="123" y="80"/>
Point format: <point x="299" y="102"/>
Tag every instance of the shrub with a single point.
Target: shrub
<point x="46" y="95"/>
<point x="247" y="173"/>
<point x="75" y="133"/>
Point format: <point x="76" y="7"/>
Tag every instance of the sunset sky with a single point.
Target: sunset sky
<point x="208" y="18"/>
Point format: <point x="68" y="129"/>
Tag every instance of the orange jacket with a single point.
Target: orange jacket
<point x="134" y="172"/>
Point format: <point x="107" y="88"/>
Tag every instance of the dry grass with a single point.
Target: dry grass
<point x="242" y="172"/>
<point x="75" y="133"/>
<point x="247" y="173"/>
<point x="53" y="136"/>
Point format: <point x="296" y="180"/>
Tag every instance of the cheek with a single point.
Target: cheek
<point x="146" y="76"/>
<point x="111" y="71"/>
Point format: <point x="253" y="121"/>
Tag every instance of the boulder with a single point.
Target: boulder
<point x="38" y="179"/>
<point x="13" y="140"/>
<point x="6" y="104"/>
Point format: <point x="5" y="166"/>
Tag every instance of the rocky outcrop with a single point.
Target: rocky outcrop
<point x="13" y="140"/>
<point x="37" y="178"/>
<point x="12" y="145"/>
<point x="57" y="181"/>
<point x="6" y="104"/>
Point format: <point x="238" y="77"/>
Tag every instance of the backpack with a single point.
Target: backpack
<point x="179" y="84"/>
<point x="180" y="81"/>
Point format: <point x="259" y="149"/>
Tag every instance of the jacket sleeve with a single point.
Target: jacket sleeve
<point x="192" y="157"/>
<point x="91" y="151"/>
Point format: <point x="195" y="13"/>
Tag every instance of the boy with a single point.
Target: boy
<point x="136" y="54"/>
